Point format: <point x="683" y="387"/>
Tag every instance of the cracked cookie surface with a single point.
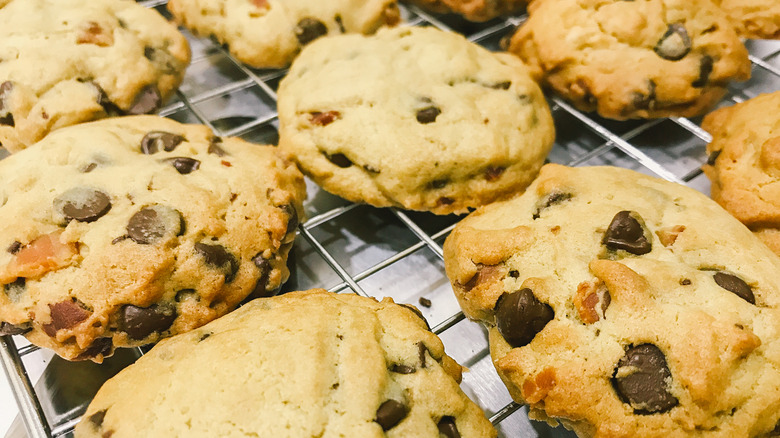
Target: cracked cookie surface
<point x="302" y="364"/>
<point x="123" y="231"/>
<point x="413" y="117"/>
<point x="744" y="163"/>
<point x="64" y="62"/>
<point x="754" y="18"/>
<point x="633" y="59"/>
<point x="270" y="33"/>
<point x="645" y="311"/>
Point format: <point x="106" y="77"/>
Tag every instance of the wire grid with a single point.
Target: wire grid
<point x="389" y="252"/>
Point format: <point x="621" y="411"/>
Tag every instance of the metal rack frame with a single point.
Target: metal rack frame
<point x="607" y="141"/>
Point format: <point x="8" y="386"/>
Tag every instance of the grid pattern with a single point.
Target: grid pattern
<point x="380" y="252"/>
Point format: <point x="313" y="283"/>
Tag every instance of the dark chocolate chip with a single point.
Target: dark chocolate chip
<point x="100" y="346"/>
<point x="417" y="312"/>
<point x="340" y="160"/>
<point x="713" y="156"/>
<point x="705" y="70"/>
<point x="445" y="201"/>
<point x="102" y="99"/>
<point x="157" y="141"/>
<point x="152" y="224"/>
<point x="674" y="44"/>
<point x="340" y="23"/>
<point x="324" y="118"/>
<point x="14" y="247"/>
<point x="390" y="413"/>
<point x="214" y="147"/>
<point x="520" y="316"/>
<point x="425" y="302"/>
<point x="185" y="294"/>
<point x="204" y="336"/>
<point x="448" y="428"/>
<point x="428" y="115"/>
<point x="493" y="173"/>
<point x="6" y="328"/>
<point x="97" y="418"/>
<point x="642" y="380"/>
<point x="501" y="85"/>
<point x="82" y="204"/>
<point x="421" y="351"/>
<point x="514" y="274"/>
<point x="184" y="165"/>
<point x="734" y="284"/>
<point x="89" y="168"/>
<point x="147" y="101"/>
<point x="292" y="221"/>
<point x="6" y="117"/>
<point x="219" y="257"/>
<point x="65" y="315"/>
<point x="16" y="289"/>
<point x="645" y="100"/>
<point x="261" y="287"/>
<point x="439" y="183"/>
<point x="626" y="233"/>
<point x="550" y="200"/>
<point x="140" y="322"/>
<point x="309" y="29"/>
<point x="402" y="369"/>
<point x="685" y="282"/>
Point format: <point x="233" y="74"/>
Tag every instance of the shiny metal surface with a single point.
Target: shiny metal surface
<point x="380" y="252"/>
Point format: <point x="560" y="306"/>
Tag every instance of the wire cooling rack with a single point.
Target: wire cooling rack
<point x="379" y="252"/>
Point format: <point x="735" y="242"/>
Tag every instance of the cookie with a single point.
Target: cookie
<point x="416" y="118"/>
<point x="622" y="305"/>
<point x="64" y="62"/>
<point x="754" y="18"/>
<point x="744" y="163"/>
<point x="307" y="364"/>
<point x="633" y="59"/>
<point x="270" y="33"/>
<point x="474" y="10"/>
<point x="123" y="231"/>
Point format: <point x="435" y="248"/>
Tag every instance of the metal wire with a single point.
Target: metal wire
<point x="11" y="356"/>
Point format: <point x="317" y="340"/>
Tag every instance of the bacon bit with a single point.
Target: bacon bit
<point x="324" y="119"/>
<point x="668" y="236"/>
<point x="226" y="163"/>
<point x="589" y="295"/>
<point x="42" y="255"/>
<point x="93" y="34"/>
<point x="537" y="389"/>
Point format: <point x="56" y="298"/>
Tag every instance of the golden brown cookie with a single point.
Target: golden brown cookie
<point x="754" y="18"/>
<point x="474" y="10"/>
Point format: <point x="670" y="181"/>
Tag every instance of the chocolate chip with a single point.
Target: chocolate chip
<point x="204" y="337"/>
<point x="425" y="302"/>
<point x="627" y="233"/>
<point x="14" y="247"/>
<point x="448" y="428"/>
<point x="501" y="85"/>
<point x="642" y="379"/>
<point x="324" y="118"/>
<point x="428" y="115"/>
<point x="309" y="29"/>
<point x="97" y="418"/>
<point x="218" y="257"/>
<point x="705" y="69"/>
<point x="402" y="369"/>
<point x="16" y="289"/>
<point x="445" y="201"/>
<point x="292" y="221"/>
<point x="340" y="160"/>
<point x="89" y="168"/>
<point x="185" y="294"/>
<point x="520" y="316"/>
<point x="6" y="117"/>
<point x="645" y="100"/>
<point x="439" y="183"/>
<point x="147" y="101"/>
<point x="98" y="347"/>
<point x="493" y="173"/>
<point x="157" y="141"/>
<point x="390" y="413"/>
<point x="6" y="328"/>
<point x="713" y="156"/>
<point x="261" y="287"/>
<point x="82" y="204"/>
<point x="550" y="200"/>
<point x="183" y="165"/>
<point x="417" y="312"/>
<point x="65" y="315"/>
<point x="685" y="282"/>
<point x="140" y="322"/>
<point x="103" y="100"/>
<point x="734" y="284"/>
<point x="674" y="44"/>
<point x="152" y="224"/>
<point x="214" y="147"/>
<point x="514" y="274"/>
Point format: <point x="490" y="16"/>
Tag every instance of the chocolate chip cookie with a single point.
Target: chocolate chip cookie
<point x="303" y="364"/>
<point x="754" y="18"/>
<point x="123" y="231"/>
<point x="623" y="305"/>
<point x="270" y="33"/>
<point x="416" y="118"/>
<point x="64" y="62"/>
<point x="474" y="10"/>
<point x="633" y="59"/>
<point x="744" y="163"/>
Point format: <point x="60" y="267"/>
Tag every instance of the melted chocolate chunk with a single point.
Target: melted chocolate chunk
<point x="140" y="322"/>
<point x="553" y="198"/>
<point x="705" y="70"/>
<point x="417" y="312"/>
<point x="261" y="287"/>
<point x="6" y="117"/>
<point x="402" y="369"/>
<point x="626" y="233"/>
<point x="102" y="99"/>
<point x="157" y="141"/>
<point x="736" y="285"/>
<point x="390" y="413"/>
<point x="153" y="224"/>
<point x="309" y="29"/>
<point x="520" y="316"/>
<point x="448" y="428"/>
<point x="65" y="315"/>
<point x="14" y="247"/>
<point x="674" y="44"/>
<point x="218" y="257"/>
<point x="184" y="165"/>
<point x="100" y="346"/>
<point x="428" y="115"/>
<point x="6" y="328"/>
<point x="147" y="101"/>
<point x="641" y="379"/>
<point x="340" y="160"/>
<point x="97" y="418"/>
<point x="82" y="204"/>
<point x="214" y="147"/>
